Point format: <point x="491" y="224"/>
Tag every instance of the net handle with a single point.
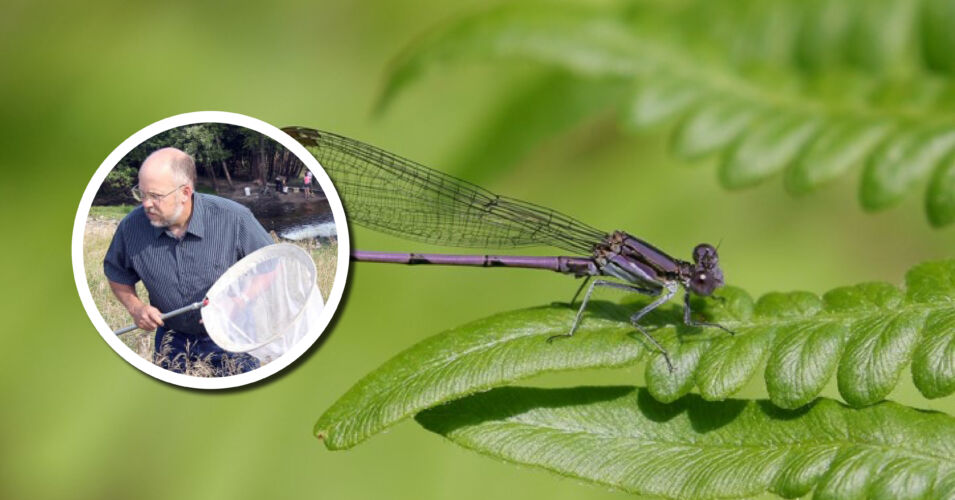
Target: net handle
<point x="170" y="314"/>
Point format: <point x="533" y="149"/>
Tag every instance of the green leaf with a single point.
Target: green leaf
<point x="877" y="37"/>
<point x="940" y="200"/>
<point x="694" y="449"/>
<point x="803" y="361"/>
<point x="667" y="386"/>
<point x="902" y="161"/>
<point x="731" y="361"/>
<point x="932" y="365"/>
<point x="806" y="87"/>
<point x="767" y="149"/>
<point x="822" y="40"/>
<point x="865" y="334"/>
<point x="712" y="127"/>
<point x="931" y="283"/>
<point x="838" y="147"/>
<point x="572" y="35"/>
<point x="657" y="101"/>
<point x="873" y="362"/>
<point x="937" y="19"/>
<point x="476" y="357"/>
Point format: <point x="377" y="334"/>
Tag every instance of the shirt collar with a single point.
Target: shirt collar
<point x="196" y="225"/>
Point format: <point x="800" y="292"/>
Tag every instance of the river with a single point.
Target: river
<point x="294" y="220"/>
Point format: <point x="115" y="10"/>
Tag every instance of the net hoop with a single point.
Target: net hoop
<point x="248" y="263"/>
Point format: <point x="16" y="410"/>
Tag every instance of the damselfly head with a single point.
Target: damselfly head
<point x="706" y="275"/>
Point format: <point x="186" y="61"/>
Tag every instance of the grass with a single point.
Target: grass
<point x="111" y="212"/>
<point x="326" y="261"/>
<point x="99" y="233"/>
<point x="100" y="227"/>
<point x="326" y="264"/>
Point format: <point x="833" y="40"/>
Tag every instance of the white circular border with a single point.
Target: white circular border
<point x="79" y="266"/>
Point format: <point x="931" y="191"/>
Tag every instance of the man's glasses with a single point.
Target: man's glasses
<point x="153" y="197"/>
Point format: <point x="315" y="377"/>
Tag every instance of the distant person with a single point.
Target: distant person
<point x="178" y="243"/>
<point x="308" y="184"/>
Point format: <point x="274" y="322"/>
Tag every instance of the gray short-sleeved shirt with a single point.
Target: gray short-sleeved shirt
<point x="178" y="272"/>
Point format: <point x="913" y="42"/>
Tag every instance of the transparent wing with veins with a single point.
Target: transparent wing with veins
<point x="391" y="194"/>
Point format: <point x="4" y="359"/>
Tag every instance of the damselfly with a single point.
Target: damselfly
<point x="394" y="195"/>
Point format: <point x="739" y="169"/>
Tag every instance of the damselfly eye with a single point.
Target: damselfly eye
<point x="705" y="254"/>
<point x="705" y="280"/>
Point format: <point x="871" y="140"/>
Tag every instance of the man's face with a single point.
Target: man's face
<point x="163" y="198"/>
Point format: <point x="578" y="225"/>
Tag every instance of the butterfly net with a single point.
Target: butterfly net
<point x="265" y="303"/>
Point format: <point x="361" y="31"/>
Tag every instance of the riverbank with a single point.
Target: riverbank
<point x="258" y="193"/>
<point x="290" y="215"/>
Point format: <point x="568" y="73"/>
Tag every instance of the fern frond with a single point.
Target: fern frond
<point x="809" y="88"/>
<point x="695" y="449"/>
<point x="865" y="335"/>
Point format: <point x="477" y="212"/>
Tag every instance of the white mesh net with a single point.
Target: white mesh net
<point x="265" y="303"/>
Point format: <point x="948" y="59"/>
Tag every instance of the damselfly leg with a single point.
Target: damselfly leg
<point x="590" y="291"/>
<point x="580" y="289"/>
<point x="688" y="318"/>
<point x="663" y="298"/>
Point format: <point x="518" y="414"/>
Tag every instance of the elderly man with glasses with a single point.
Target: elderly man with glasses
<point x="178" y="243"/>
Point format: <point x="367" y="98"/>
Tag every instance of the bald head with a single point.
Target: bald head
<point x="171" y="165"/>
<point x="166" y="181"/>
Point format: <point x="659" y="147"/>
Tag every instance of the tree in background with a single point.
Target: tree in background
<point x="221" y="151"/>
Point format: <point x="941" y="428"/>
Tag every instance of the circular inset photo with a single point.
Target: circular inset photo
<point x="210" y="250"/>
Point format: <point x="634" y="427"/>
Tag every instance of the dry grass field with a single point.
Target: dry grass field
<point x="99" y="232"/>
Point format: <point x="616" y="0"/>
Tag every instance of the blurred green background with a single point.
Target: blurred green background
<point x="78" y="78"/>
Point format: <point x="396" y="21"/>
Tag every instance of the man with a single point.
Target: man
<point x="178" y="243"/>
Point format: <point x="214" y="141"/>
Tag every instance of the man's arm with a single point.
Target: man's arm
<point x="144" y="315"/>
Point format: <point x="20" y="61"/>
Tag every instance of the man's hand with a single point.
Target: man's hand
<point x="147" y="317"/>
<point x="144" y="315"/>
